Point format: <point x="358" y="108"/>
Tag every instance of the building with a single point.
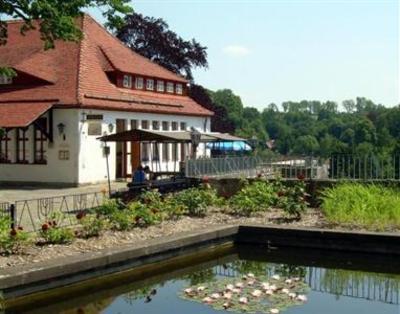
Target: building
<point x="63" y="99"/>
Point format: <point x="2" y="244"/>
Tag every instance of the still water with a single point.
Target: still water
<point x="334" y="283"/>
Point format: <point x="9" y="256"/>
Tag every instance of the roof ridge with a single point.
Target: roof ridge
<point x="130" y="50"/>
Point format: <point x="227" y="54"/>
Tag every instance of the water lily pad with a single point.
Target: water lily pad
<point x="242" y="294"/>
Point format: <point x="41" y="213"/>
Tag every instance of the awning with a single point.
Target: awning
<point x="165" y="136"/>
<point x="22" y="114"/>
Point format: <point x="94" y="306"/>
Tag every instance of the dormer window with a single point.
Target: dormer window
<point x="150" y="84"/>
<point x="139" y="83"/>
<point x="5" y="80"/>
<point x="179" y="89"/>
<point x="127" y="81"/>
<point x="170" y="87"/>
<point x="160" y="86"/>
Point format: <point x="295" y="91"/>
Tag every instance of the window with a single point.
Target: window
<point x="183" y="126"/>
<point x="160" y="86"/>
<point x="174" y="126"/>
<point x="134" y="124"/>
<point x="150" y="84"/>
<point x="22" y="141"/>
<point x="174" y="152"/>
<point x="165" y="152"/>
<point x="165" y="125"/>
<point x="145" y="124"/>
<point x="4" y="147"/>
<point x="40" y="141"/>
<point x="127" y="81"/>
<point x="156" y="152"/>
<point x="139" y="83"/>
<point x="156" y="125"/>
<point x="179" y="89"/>
<point x="5" y="80"/>
<point x="170" y="87"/>
<point x="145" y="152"/>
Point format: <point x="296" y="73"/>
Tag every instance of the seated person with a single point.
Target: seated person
<point x="148" y="173"/>
<point x="139" y="176"/>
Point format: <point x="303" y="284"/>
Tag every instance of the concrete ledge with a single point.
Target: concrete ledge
<point x="25" y="280"/>
<point x="352" y="241"/>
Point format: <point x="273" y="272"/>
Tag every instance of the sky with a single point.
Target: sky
<point x="279" y="50"/>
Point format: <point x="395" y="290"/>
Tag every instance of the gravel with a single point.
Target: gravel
<point x="36" y="254"/>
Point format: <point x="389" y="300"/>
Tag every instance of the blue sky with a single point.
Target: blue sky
<point x="274" y="51"/>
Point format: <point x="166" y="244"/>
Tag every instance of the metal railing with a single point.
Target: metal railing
<point x="337" y="167"/>
<point x="31" y="214"/>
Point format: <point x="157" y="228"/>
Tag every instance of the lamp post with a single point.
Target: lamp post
<point x="195" y="137"/>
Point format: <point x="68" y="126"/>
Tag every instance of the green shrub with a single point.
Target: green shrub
<point x="11" y="240"/>
<point x="196" y="201"/>
<point x="108" y="208"/>
<point x="121" y="219"/>
<point x="370" y="206"/>
<point x="145" y="214"/>
<point x="91" y="225"/>
<point x="255" y="197"/>
<point x="52" y="233"/>
<point x="292" y="199"/>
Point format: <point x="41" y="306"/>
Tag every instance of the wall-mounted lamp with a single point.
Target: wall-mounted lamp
<point x="83" y="116"/>
<point x="61" y="129"/>
<point x="110" y="127"/>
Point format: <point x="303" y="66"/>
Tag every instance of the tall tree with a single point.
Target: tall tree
<point x="152" y="38"/>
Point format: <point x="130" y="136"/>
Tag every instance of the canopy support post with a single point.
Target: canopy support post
<point x="107" y="153"/>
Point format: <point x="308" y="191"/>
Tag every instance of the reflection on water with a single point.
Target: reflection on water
<point x="342" y="285"/>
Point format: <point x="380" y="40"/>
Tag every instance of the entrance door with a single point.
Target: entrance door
<point x="120" y="152"/>
<point x="135" y="149"/>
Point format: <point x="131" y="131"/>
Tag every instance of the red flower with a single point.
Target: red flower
<point x="54" y="223"/>
<point x="154" y="210"/>
<point x="80" y="215"/>
<point x="45" y="227"/>
<point x="301" y="176"/>
<point x="281" y="193"/>
<point x="13" y="232"/>
<point x="20" y="228"/>
<point x="259" y="175"/>
<point x="49" y="223"/>
<point x="205" y="179"/>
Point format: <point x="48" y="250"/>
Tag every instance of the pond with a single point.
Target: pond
<point x="289" y="281"/>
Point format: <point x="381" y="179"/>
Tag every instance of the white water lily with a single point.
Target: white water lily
<point x="296" y="278"/>
<point x="273" y="287"/>
<point x="288" y="281"/>
<point x="188" y="291"/>
<point x="207" y="300"/>
<point x="243" y="300"/>
<point x="256" y="293"/>
<point x="239" y="285"/>
<point x="251" y="282"/>
<point x="215" y="296"/>
<point x="227" y="295"/>
<point x="292" y="295"/>
<point x="301" y="297"/>
<point x="250" y="275"/>
<point x="201" y="288"/>
<point x="236" y="290"/>
<point x="230" y="287"/>
<point x="284" y="290"/>
<point x="269" y="292"/>
<point x="244" y="277"/>
<point x="276" y="277"/>
<point x="274" y="311"/>
<point x="226" y="305"/>
<point x="265" y="284"/>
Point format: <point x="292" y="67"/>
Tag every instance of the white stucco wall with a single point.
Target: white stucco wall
<point x="56" y="170"/>
<point x="92" y="161"/>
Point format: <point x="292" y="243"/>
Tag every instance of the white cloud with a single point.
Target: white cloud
<point x="236" y="51"/>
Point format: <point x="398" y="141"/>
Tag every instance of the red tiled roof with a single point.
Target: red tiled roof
<point x="21" y="114"/>
<point x="77" y="76"/>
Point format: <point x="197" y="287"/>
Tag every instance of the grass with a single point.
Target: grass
<point x="374" y="207"/>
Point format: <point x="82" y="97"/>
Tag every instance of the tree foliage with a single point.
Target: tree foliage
<point x="152" y="38"/>
<point x="57" y="17"/>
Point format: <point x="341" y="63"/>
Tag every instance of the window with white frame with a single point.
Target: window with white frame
<point x="179" y="89"/>
<point x="127" y="81"/>
<point x="160" y="86"/>
<point x="145" y="124"/>
<point x="174" y="126"/>
<point x="165" y="125"/>
<point x="139" y="83"/>
<point x="170" y="87"/>
<point x="150" y="84"/>
<point x="183" y="126"/>
<point x="5" y="80"/>
<point x="156" y="125"/>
